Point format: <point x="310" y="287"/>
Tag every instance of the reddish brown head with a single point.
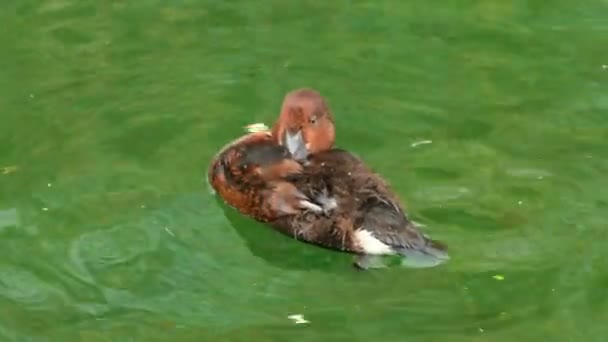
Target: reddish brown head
<point x="305" y="124"/>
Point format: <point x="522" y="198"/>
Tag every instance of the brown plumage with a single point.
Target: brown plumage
<point x="293" y="180"/>
<point x="247" y="175"/>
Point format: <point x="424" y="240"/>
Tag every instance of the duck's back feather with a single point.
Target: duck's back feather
<point x="364" y="203"/>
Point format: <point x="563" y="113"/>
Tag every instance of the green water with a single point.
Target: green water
<point x="111" y="110"/>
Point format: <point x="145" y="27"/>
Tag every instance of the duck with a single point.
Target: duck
<point x="294" y="179"/>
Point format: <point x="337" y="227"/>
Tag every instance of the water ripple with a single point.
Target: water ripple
<point x="24" y="287"/>
<point x="108" y="248"/>
<point x="442" y="193"/>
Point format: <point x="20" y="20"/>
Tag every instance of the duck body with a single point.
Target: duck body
<point x="330" y="199"/>
<point x="248" y="174"/>
<point x="366" y="216"/>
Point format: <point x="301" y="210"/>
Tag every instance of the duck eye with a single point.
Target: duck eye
<point x="312" y="119"/>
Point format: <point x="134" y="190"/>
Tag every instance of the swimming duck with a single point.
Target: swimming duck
<point x="293" y="179"/>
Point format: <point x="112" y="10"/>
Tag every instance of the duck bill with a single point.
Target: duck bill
<point x="296" y="145"/>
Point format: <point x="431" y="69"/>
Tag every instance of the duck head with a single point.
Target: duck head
<point x="305" y="125"/>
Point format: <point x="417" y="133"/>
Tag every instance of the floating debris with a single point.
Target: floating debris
<point x="257" y="127"/>
<point x="421" y="142"/>
<point x="499" y="277"/>
<point x="45" y="209"/>
<point x="169" y="231"/>
<point x="298" y="319"/>
<point x="9" y="169"/>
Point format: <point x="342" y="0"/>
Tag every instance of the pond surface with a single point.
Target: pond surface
<point x="111" y="110"/>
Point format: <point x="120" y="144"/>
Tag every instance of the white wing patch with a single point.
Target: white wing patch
<point x="370" y="244"/>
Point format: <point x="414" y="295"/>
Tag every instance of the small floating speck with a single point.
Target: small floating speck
<point x="421" y="142"/>
<point x="298" y="319"/>
<point x="143" y="206"/>
<point x="9" y="169"/>
<point x="49" y="185"/>
<point x="481" y="330"/>
<point x="45" y="209"/>
<point x="499" y="277"/>
<point x="169" y="231"/>
<point x="605" y="66"/>
<point x="256" y="127"/>
<point x="32" y="96"/>
<point x="520" y="202"/>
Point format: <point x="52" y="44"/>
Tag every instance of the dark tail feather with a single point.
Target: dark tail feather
<point x="431" y="254"/>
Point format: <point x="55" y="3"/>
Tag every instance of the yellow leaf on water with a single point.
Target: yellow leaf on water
<point x="256" y="127"/>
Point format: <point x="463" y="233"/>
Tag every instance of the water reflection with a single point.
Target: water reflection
<point x="282" y="251"/>
<point x="8" y="219"/>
